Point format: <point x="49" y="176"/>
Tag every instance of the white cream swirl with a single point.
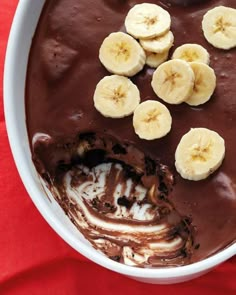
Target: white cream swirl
<point x="135" y="233"/>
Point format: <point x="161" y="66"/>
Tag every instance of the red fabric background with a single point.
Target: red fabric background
<point x="34" y="260"/>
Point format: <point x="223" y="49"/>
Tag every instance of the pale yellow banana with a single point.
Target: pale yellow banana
<point x="121" y="54"/>
<point x="151" y="120"/>
<point x="204" y="84"/>
<point x="116" y="96"/>
<point x="219" y="27"/>
<point x="158" y="44"/>
<point x="147" y="20"/>
<point x="199" y="153"/>
<point x="153" y="59"/>
<point x="173" y="81"/>
<point x="192" y="52"/>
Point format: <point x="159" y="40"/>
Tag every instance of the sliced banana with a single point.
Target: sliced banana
<point x="219" y="27"/>
<point x="147" y="20"/>
<point x="153" y="59"/>
<point x="116" y="96"/>
<point x="121" y="54"/>
<point x="158" y="44"/>
<point x="192" y="52"/>
<point x="204" y="84"/>
<point x="151" y="120"/>
<point x="173" y="81"/>
<point x="199" y="153"/>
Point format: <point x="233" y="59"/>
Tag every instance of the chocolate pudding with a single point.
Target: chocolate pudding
<point x="123" y="193"/>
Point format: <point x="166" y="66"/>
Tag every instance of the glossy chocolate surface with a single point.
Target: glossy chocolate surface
<point x="63" y="72"/>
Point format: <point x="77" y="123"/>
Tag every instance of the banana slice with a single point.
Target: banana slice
<point x="173" y="81"/>
<point x="219" y="27"/>
<point x="116" y="96"/>
<point x="151" y="120"/>
<point x="199" y="153"/>
<point x="204" y="84"/>
<point x="121" y="54"/>
<point x="147" y="20"/>
<point x="153" y="59"/>
<point x="191" y="53"/>
<point x="158" y="44"/>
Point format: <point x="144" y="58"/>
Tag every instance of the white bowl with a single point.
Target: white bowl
<point x="22" y="30"/>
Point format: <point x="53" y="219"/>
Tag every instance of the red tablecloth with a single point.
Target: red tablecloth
<point x="34" y="260"/>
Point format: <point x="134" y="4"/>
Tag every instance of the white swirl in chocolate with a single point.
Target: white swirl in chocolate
<point x="113" y="212"/>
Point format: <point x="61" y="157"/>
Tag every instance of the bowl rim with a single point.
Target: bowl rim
<point x="36" y="195"/>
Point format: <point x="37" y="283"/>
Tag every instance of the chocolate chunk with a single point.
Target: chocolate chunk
<point x="150" y="166"/>
<point x="197" y="246"/>
<point x="163" y="188"/>
<point x="88" y="136"/>
<point x="115" y="258"/>
<point x="94" y="157"/>
<point x="63" y="166"/>
<point x="124" y="201"/>
<point x="119" y="149"/>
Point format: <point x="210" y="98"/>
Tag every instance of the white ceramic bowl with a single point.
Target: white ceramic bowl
<point x="22" y="30"/>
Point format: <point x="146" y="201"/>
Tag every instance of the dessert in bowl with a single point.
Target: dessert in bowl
<point x="113" y="196"/>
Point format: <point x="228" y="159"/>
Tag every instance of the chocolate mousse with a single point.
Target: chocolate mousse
<point x="122" y="192"/>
